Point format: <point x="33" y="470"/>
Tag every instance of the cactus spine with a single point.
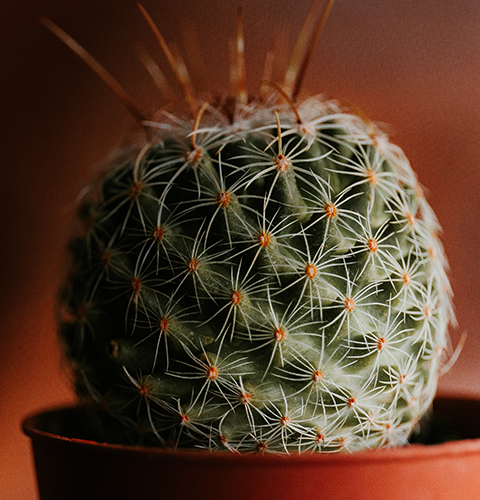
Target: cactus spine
<point x="270" y="280"/>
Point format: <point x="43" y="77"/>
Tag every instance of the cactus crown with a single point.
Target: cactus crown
<point x="264" y="280"/>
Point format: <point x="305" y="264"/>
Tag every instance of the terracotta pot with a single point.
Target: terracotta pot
<point x="72" y="468"/>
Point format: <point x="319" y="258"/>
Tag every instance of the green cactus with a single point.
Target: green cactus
<point x="270" y="280"/>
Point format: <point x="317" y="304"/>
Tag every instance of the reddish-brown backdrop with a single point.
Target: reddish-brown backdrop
<point x="412" y="64"/>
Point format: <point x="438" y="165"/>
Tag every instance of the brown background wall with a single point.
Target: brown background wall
<point x="412" y="64"/>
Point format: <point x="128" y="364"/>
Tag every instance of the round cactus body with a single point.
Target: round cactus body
<point x="267" y="282"/>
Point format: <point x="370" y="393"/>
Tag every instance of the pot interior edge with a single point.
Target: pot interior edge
<point x="58" y="426"/>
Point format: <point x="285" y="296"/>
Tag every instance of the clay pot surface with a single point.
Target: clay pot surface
<point x="71" y="468"/>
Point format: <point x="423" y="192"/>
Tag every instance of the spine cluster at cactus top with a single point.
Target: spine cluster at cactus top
<point x="269" y="283"/>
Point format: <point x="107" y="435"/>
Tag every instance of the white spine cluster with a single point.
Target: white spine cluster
<point x="266" y="284"/>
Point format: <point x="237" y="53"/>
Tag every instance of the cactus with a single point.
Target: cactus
<point x="267" y="279"/>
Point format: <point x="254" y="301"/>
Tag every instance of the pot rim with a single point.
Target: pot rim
<point x="411" y="453"/>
